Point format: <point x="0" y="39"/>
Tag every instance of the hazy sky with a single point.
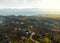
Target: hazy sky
<point x="49" y="5"/>
<point x="42" y="4"/>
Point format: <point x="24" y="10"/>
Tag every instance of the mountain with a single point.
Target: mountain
<point x="26" y="12"/>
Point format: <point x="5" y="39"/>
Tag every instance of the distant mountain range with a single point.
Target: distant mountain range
<point x="25" y="12"/>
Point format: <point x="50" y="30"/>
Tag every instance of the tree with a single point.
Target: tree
<point x="45" y="40"/>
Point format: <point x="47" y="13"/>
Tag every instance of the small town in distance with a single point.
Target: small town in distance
<point x="29" y="29"/>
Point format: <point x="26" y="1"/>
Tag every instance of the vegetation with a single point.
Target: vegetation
<point x="23" y="29"/>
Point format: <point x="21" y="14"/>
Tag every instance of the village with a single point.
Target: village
<point x="23" y="29"/>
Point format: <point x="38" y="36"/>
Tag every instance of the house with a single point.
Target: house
<point x="3" y="20"/>
<point x="26" y="33"/>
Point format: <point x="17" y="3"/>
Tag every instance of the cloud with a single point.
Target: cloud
<point x="18" y="3"/>
<point x="41" y="4"/>
<point x="10" y="3"/>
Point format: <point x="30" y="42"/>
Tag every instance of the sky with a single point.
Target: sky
<point x="52" y="6"/>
